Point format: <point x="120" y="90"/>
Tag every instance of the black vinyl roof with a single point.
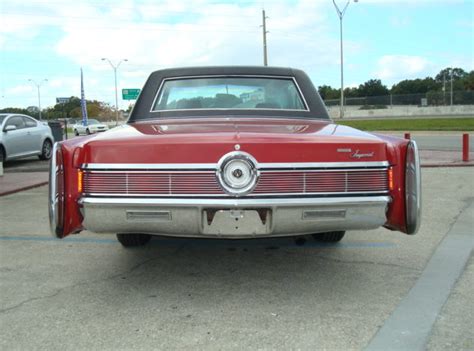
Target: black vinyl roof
<point x="143" y="106"/>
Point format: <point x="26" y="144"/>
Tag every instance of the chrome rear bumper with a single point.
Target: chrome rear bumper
<point x="233" y="218"/>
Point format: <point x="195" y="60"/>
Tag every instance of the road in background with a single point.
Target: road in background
<point x="438" y="142"/>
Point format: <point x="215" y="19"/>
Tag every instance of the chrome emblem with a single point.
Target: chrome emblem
<point x="344" y="150"/>
<point x="237" y="147"/>
<point x="359" y="155"/>
<point x="237" y="173"/>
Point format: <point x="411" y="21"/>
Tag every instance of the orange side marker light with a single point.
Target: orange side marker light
<point x="79" y="181"/>
<point x="390" y="179"/>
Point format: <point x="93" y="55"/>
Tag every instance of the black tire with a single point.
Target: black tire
<point x="88" y="131"/>
<point x="133" y="240"/>
<point x="329" y="237"/>
<point x="3" y="155"/>
<point x="76" y="133"/>
<point x="46" y="150"/>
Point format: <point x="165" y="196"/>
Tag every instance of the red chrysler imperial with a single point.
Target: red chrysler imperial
<point x="232" y="152"/>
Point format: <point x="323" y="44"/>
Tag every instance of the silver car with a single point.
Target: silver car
<point x="93" y="126"/>
<point x="24" y="136"/>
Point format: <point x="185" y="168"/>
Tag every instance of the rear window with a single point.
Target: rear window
<point x="245" y="93"/>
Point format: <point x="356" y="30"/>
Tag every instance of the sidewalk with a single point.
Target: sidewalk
<point x="12" y="182"/>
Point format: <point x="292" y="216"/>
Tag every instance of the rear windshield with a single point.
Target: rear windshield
<point x="246" y="93"/>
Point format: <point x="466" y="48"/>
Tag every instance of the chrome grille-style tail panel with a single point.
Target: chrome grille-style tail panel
<point x="357" y="178"/>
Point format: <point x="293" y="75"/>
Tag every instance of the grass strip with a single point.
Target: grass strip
<point x="415" y="124"/>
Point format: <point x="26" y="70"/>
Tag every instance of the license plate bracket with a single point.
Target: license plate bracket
<point x="233" y="222"/>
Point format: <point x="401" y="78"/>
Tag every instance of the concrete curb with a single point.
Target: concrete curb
<point x="444" y="165"/>
<point x="410" y="324"/>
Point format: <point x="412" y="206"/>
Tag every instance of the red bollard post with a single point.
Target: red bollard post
<point x="465" y="147"/>
<point x="407" y="136"/>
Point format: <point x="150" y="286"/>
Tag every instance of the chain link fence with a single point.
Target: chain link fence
<point x="422" y="100"/>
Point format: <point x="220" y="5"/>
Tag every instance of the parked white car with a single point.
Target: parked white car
<point x="93" y="126"/>
<point x="24" y="136"/>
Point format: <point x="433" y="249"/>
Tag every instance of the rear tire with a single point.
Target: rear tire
<point x="46" y="150"/>
<point x="133" y="240"/>
<point x="88" y="131"/>
<point x="329" y="237"/>
<point x="76" y="133"/>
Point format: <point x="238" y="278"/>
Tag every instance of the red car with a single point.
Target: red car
<point x="233" y="152"/>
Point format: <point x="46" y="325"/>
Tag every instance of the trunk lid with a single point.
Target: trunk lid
<point x="206" y="140"/>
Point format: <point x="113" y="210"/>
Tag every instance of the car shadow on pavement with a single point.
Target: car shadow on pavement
<point x="182" y="272"/>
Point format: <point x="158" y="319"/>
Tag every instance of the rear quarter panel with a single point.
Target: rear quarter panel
<point x="396" y="154"/>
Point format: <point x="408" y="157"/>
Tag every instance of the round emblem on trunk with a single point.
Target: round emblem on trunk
<point x="237" y="173"/>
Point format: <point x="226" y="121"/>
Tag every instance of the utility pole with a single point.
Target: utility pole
<point x="264" y="27"/>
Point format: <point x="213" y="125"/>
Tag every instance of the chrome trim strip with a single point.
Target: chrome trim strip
<point x="52" y="201"/>
<point x="213" y="166"/>
<point x="322" y="170"/>
<point x="324" y="165"/>
<point x="153" y="171"/>
<point x="112" y="195"/>
<point x="226" y="203"/>
<point x="149" y="166"/>
<point x="413" y="196"/>
<point x="306" y="109"/>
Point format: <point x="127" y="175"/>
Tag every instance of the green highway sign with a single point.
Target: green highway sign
<point x="62" y="100"/>
<point x="130" y="94"/>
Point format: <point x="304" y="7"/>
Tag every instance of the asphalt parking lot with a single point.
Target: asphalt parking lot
<point x="87" y="292"/>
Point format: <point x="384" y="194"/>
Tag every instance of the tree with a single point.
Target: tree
<point x="351" y="92"/>
<point x="415" y="86"/>
<point x="458" y="73"/>
<point x="22" y="111"/>
<point x="328" y="93"/>
<point x="95" y="109"/>
<point x="372" y="87"/>
<point x="468" y="81"/>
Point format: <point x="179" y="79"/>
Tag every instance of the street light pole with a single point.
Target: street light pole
<point x="444" y="88"/>
<point x="38" y="85"/>
<point x="115" y="68"/>
<point x="341" y="13"/>
<point x="451" y="87"/>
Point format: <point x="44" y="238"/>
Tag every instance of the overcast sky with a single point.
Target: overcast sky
<point x="387" y="39"/>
